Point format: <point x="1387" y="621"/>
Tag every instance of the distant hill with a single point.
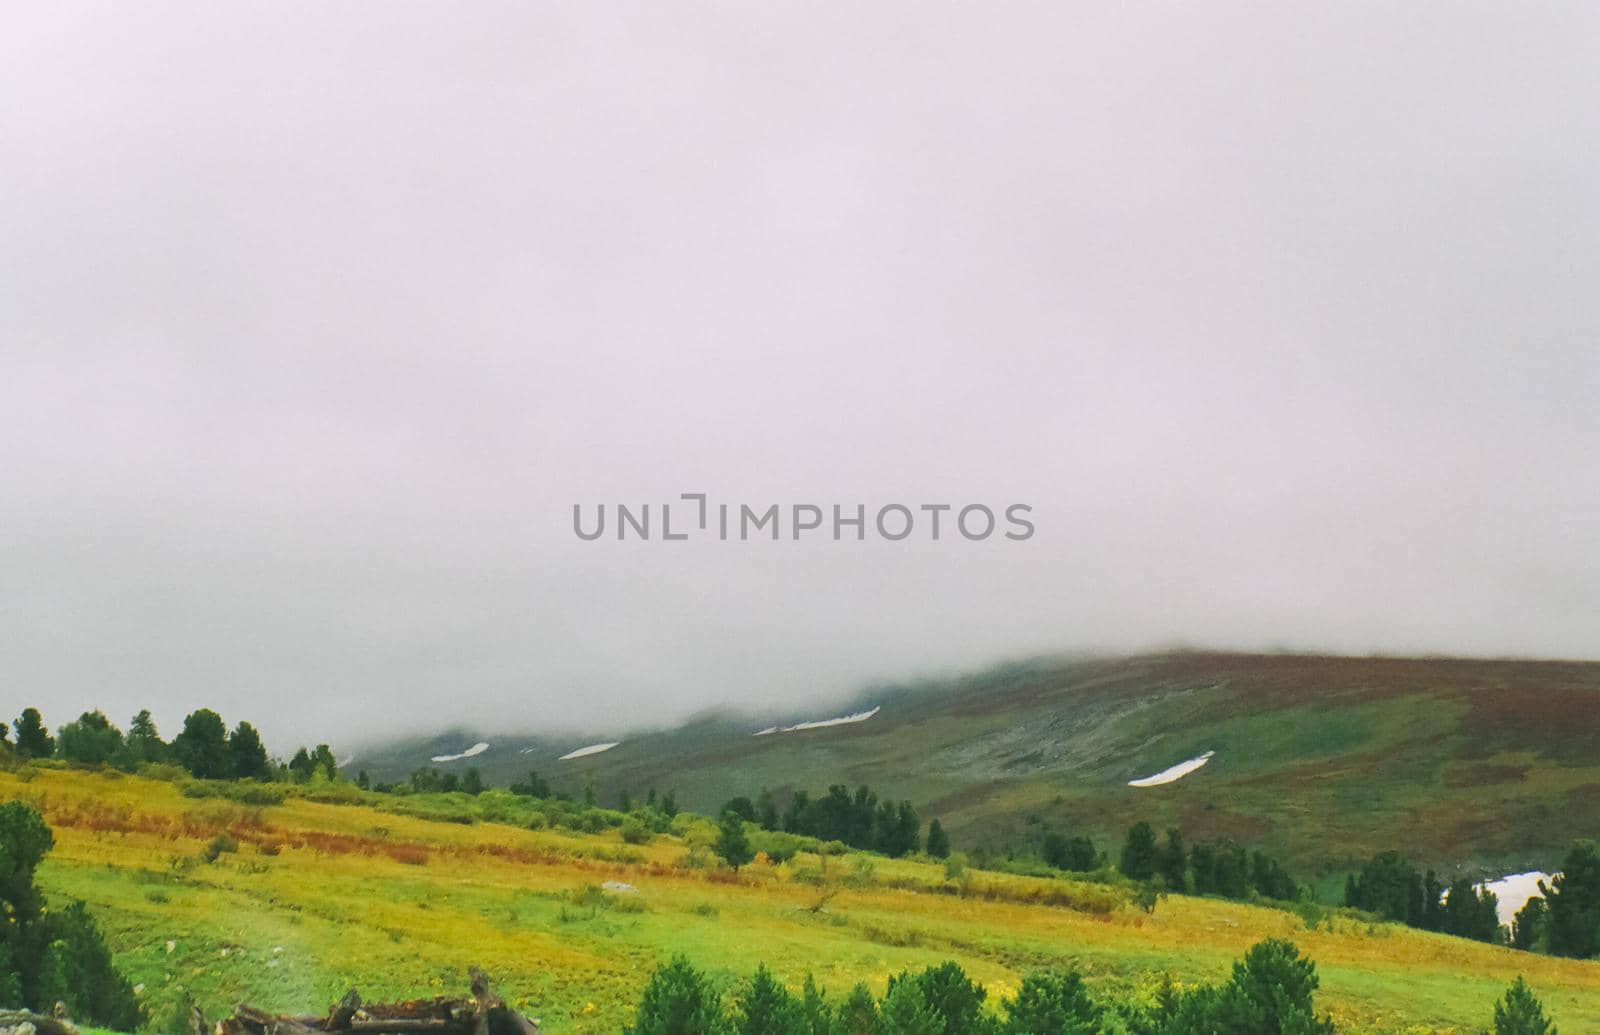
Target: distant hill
<point x="1464" y="764"/>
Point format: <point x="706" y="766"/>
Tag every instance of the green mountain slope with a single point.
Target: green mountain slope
<point x="1475" y="765"/>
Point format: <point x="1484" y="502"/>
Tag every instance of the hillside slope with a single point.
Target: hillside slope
<point x="320" y="897"/>
<point x="1475" y="765"/>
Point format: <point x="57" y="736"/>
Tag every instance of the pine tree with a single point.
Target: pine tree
<point x="202" y="747"/>
<point x="1053" y="1004"/>
<point x="144" y="743"/>
<point x="679" y="1001"/>
<point x="858" y="1014"/>
<point x="765" y="1007"/>
<point x="91" y="739"/>
<point x="1527" y="927"/>
<point x="1172" y="862"/>
<point x="1521" y="1013"/>
<point x="247" y="756"/>
<point x="938" y="841"/>
<point x="1573" y="901"/>
<point x="766" y="810"/>
<point x="1139" y="852"/>
<point x="33" y="739"/>
<point x="322" y="761"/>
<point x="731" y="845"/>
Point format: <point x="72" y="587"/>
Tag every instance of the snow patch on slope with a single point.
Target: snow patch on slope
<point x="817" y="724"/>
<point x="1513" y="891"/>
<point x="592" y="749"/>
<point x="1177" y="772"/>
<point x="477" y="749"/>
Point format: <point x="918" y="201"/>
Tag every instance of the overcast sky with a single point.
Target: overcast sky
<point x="316" y="320"/>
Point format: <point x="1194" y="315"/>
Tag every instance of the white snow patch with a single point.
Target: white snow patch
<point x="1513" y="891"/>
<point x="477" y="749"/>
<point x="817" y="724"/>
<point x="592" y="749"/>
<point x="1177" y="772"/>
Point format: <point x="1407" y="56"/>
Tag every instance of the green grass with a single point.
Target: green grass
<point x="338" y="907"/>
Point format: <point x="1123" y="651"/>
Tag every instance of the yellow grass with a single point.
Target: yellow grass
<point x="399" y="906"/>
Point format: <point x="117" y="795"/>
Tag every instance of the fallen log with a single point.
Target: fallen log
<point x="484" y="1014"/>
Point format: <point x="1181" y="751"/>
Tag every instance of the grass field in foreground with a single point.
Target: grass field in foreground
<point x="397" y="906"/>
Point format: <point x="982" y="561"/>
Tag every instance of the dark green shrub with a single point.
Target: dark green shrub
<point x="765" y="1007"/>
<point x="52" y="956"/>
<point x="946" y="991"/>
<point x="679" y="1001"/>
<point x="1052" y="1004"/>
<point x="1521" y="1013"/>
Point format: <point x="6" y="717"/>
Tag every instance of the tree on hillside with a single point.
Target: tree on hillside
<point x="1271" y="994"/>
<point x="1270" y="880"/>
<point x="5" y="736"/>
<point x="1390" y="887"/>
<point x="678" y="1000"/>
<point x="143" y="742"/>
<point x="301" y="768"/>
<point x="52" y="955"/>
<point x="247" y="756"/>
<point x="472" y="782"/>
<point x="858" y="1014"/>
<point x="1528" y="926"/>
<point x="938" y="841"/>
<point x="794" y="815"/>
<point x="765" y="1007"/>
<point x="944" y="992"/>
<point x="1076" y="854"/>
<point x="731" y="845"/>
<point x="1051" y="1004"/>
<point x="536" y="787"/>
<point x="1521" y="1013"/>
<point x="1172" y="862"/>
<point x="1470" y="912"/>
<point x="90" y="739"/>
<point x="322" y="762"/>
<point x="766" y="810"/>
<point x="901" y="833"/>
<point x="202" y="747"/>
<point x="1573" y="901"/>
<point x="742" y="807"/>
<point x="1138" y="860"/>
<point x="33" y="739"/>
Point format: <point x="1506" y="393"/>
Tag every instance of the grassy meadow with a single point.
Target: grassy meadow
<point x="318" y="897"/>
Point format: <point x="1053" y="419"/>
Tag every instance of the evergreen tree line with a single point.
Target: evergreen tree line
<point x="1219" y="867"/>
<point x="1394" y="889"/>
<point x="1564" y="918"/>
<point x="859" y="820"/>
<point x="52" y="955"/>
<point x="1271" y="992"/>
<point x="206" y="748"/>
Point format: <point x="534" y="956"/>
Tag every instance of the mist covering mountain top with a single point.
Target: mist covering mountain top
<point x="317" y="326"/>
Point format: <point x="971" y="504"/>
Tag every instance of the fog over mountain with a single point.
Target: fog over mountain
<point x="316" y="321"/>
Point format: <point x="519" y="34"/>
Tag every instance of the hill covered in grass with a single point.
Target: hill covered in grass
<point x="287" y="905"/>
<point x="1475" y="766"/>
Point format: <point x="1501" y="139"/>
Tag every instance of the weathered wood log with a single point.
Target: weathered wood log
<point x="24" y="1022"/>
<point x="484" y="1014"/>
